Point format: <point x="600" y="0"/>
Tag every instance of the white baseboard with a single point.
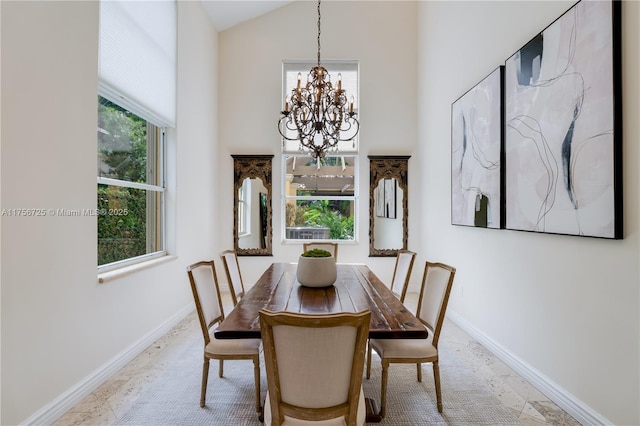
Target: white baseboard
<point x="67" y="400"/>
<point x="568" y="402"/>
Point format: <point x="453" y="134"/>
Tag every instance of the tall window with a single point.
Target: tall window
<point x="320" y="201"/>
<point x="136" y="102"/>
<point x="349" y="72"/>
<point x="130" y="185"/>
<point x="320" y="196"/>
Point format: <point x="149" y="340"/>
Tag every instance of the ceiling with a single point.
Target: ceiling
<point x="226" y="13"/>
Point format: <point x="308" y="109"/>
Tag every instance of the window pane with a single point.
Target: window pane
<point x="320" y="197"/>
<point x="130" y="216"/>
<point x="334" y="177"/>
<point x="320" y="219"/>
<point x="128" y="223"/>
<point x="126" y="146"/>
<point x="349" y="72"/>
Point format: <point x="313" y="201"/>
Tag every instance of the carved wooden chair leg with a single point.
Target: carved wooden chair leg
<point x="368" y="360"/>
<point x="256" y="375"/>
<point x="419" y="371"/>
<point x="436" y="377"/>
<point x="205" y="378"/>
<point x="221" y="368"/>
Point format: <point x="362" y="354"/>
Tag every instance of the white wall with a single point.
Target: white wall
<point x="60" y="328"/>
<point x="566" y="307"/>
<point x="381" y="35"/>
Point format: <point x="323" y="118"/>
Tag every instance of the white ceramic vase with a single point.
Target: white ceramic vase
<point x="316" y="271"/>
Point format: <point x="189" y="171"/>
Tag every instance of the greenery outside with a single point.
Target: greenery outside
<point x="122" y="211"/>
<point x="331" y="214"/>
<point x="334" y="214"/>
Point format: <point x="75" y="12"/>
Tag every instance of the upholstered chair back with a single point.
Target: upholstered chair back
<point x="204" y="285"/>
<point x="330" y="247"/>
<point x="314" y="365"/>
<point x="234" y="278"/>
<point x="402" y="273"/>
<point x="434" y="296"/>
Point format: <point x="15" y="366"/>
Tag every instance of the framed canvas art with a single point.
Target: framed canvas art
<point x="563" y="126"/>
<point x="476" y="147"/>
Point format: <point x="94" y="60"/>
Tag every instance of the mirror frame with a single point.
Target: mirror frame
<point x="387" y="167"/>
<point x="252" y="166"/>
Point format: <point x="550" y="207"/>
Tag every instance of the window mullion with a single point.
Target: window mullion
<point x="127" y="184"/>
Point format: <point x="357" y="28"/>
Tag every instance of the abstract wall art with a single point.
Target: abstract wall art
<point x="562" y="147"/>
<point x="476" y="147"/>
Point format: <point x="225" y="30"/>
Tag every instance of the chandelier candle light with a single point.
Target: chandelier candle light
<point x="316" y="112"/>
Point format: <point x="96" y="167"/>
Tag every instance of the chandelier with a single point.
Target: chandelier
<point x="317" y="113"/>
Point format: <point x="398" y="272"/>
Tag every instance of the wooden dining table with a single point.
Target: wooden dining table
<point x="356" y="289"/>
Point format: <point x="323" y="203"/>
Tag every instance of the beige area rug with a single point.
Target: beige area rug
<point x="173" y="399"/>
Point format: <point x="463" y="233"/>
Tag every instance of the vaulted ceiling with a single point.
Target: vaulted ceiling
<point x="225" y="14"/>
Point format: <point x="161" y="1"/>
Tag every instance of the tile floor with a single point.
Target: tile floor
<point x="111" y="400"/>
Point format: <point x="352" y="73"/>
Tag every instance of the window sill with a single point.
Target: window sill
<point x="128" y="270"/>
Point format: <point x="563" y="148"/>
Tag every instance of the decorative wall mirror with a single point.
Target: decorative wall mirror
<point x="252" y="205"/>
<point x="388" y="204"/>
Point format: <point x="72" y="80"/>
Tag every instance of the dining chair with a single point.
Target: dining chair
<point x="234" y="277"/>
<point x="330" y="247"/>
<point x="432" y="305"/>
<point x="206" y="294"/>
<point x="402" y="273"/>
<point x="314" y="365"/>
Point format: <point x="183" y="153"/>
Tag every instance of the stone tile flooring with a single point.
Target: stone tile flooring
<point x="112" y="399"/>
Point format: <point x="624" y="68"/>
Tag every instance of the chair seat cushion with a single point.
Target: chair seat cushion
<point x="290" y="421"/>
<point x="233" y="346"/>
<point x="404" y="348"/>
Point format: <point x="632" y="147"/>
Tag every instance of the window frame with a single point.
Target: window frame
<point x="156" y="145"/>
<point x="355" y="199"/>
<point x="346" y="148"/>
<point x="333" y="67"/>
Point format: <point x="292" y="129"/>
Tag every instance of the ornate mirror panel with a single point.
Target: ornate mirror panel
<point x="252" y="205"/>
<point x="388" y="204"/>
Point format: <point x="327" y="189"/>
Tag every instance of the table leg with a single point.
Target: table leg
<point x="373" y="415"/>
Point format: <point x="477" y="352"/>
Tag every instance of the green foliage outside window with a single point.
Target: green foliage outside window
<point x="324" y="196"/>
<point x="332" y="214"/>
<point x="122" y="143"/>
<point x="122" y="155"/>
<point x="121" y="236"/>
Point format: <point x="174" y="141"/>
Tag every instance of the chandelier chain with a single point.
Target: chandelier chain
<point x="318" y="32"/>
